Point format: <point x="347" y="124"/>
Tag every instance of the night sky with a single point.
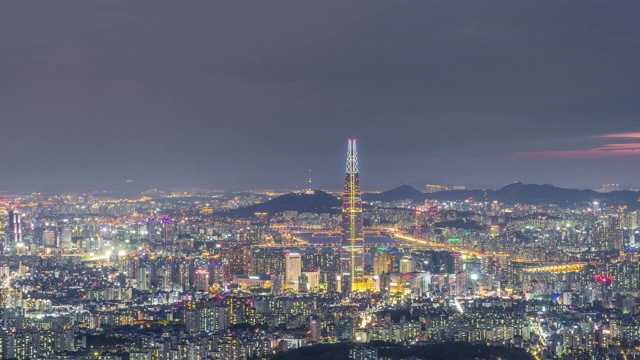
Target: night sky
<point x="253" y="94"/>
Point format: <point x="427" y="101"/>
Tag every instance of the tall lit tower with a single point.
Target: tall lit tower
<point x="309" y="185"/>
<point x="352" y="258"/>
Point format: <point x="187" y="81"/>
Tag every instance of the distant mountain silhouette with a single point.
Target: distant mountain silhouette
<point x="404" y="192"/>
<point x="318" y="202"/>
<point x="516" y="193"/>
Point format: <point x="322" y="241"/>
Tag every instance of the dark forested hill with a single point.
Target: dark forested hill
<point x="318" y="202"/>
<point x="451" y="351"/>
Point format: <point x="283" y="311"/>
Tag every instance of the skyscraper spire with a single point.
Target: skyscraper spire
<point x="352" y="258"/>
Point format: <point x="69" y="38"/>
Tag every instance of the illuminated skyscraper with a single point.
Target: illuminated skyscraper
<point x="65" y="236"/>
<point x="14" y="228"/>
<point x="293" y="269"/>
<point x="352" y="258"/>
<point x="166" y="230"/>
<point x="142" y="278"/>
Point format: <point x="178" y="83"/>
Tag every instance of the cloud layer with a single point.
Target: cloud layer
<point x="599" y="151"/>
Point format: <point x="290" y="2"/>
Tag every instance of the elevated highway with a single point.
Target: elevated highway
<point x="556" y="269"/>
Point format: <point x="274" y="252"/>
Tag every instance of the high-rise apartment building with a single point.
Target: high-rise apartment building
<point x="406" y="264"/>
<point x="201" y="281"/>
<point x="49" y="239"/>
<point x="143" y="283"/>
<point x="383" y="262"/>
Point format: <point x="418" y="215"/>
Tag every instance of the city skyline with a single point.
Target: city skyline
<point x="174" y="186"/>
<point x="128" y="96"/>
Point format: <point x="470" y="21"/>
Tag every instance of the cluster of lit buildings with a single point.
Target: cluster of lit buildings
<point x="170" y="276"/>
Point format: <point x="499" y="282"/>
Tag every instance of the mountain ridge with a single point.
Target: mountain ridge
<point x="317" y="202"/>
<point x="512" y="194"/>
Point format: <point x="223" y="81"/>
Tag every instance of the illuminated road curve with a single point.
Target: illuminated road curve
<point x="427" y="243"/>
<point x="89" y="257"/>
<point x="288" y="246"/>
<point x="556" y="269"/>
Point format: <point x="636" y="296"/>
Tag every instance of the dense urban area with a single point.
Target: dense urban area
<point x="526" y="271"/>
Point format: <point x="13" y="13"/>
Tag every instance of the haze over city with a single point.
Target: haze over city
<point x="239" y="95"/>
